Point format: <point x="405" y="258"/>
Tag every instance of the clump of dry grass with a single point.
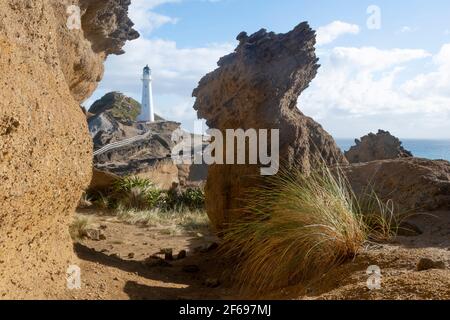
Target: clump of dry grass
<point x="85" y="201"/>
<point x="180" y="220"/>
<point x="78" y="227"/>
<point x="301" y="226"/>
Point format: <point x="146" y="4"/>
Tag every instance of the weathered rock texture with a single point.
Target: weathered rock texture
<point x="257" y="87"/>
<point x="113" y="120"/>
<point x="380" y="146"/>
<point x="122" y="108"/>
<point x="412" y="184"/>
<point x="105" y="28"/>
<point x="45" y="148"/>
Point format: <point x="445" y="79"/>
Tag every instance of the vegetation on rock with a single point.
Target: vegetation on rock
<point x="121" y="107"/>
<point x="299" y="226"/>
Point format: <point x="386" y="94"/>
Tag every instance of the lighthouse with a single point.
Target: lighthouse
<point x="147" y="111"/>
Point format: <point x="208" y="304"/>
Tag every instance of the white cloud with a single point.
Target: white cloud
<point x="176" y="72"/>
<point x="372" y="59"/>
<point x="145" y="19"/>
<point x="407" y="29"/>
<point x="435" y="83"/>
<point x="334" y="30"/>
<point x="361" y="86"/>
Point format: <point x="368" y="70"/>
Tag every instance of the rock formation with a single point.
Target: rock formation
<point x="46" y="151"/>
<point x="380" y="146"/>
<point x="122" y="108"/>
<point x="412" y="184"/>
<point x="105" y="29"/>
<point x="257" y="87"/>
<point x="114" y="120"/>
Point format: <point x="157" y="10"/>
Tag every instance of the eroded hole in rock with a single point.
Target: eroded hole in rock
<point x="8" y="125"/>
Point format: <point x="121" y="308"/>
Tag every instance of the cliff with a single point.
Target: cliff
<point x="46" y="151"/>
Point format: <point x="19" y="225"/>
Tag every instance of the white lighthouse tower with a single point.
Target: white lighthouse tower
<point x="147" y="112"/>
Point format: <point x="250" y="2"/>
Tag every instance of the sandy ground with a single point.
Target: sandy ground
<point x="115" y="269"/>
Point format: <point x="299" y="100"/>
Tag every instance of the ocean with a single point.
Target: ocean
<point x="429" y="149"/>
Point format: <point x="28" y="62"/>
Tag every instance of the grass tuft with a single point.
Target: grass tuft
<point x="78" y="228"/>
<point x="298" y="228"/>
<point x="184" y="220"/>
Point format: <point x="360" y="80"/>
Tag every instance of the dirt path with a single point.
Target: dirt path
<point x="115" y="268"/>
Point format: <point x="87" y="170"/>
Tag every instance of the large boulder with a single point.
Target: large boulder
<point x="412" y="184"/>
<point x="47" y="70"/>
<point x="380" y="146"/>
<point x="257" y="87"/>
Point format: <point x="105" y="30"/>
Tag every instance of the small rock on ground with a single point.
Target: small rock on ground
<point x="428" y="264"/>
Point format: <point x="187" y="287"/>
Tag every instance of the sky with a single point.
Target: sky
<point x="384" y="64"/>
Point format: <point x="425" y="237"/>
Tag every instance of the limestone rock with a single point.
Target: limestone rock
<point x="412" y="184"/>
<point x="46" y="151"/>
<point x="257" y="87"/>
<point x="102" y="181"/>
<point x="114" y="120"/>
<point x="105" y="29"/>
<point x="380" y="146"/>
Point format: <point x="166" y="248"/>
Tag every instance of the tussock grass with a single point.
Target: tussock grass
<point x="176" y="221"/>
<point x="299" y="227"/>
<point x="78" y="228"/>
<point x="382" y="220"/>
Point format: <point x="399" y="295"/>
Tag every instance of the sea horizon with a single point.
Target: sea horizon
<point x="433" y="149"/>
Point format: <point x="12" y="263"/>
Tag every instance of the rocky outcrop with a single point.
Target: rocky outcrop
<point x="149" y="157"/>
<point x="380" y="146"/>
<point x="102" y="181"/>
<point x="257" y="87"/>
<point x="46" y="151"/>
<point x="114" y="119"/>
<point x="105" y="29"/>
<point x="412" y="184"/>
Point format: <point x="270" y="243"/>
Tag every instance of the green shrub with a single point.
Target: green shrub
<point x="191" y="199"/>
<point x="138" y="193"/>
<point x="103" y="202"/>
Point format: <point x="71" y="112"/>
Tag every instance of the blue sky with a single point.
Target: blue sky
<point x="395" y="78"/>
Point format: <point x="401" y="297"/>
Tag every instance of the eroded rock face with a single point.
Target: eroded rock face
<point x="380" y="146"/>
<point x="412" y="184"/>
<point x="113" y="118"/>
<point x="105" y="29"/>
<point x="45" y="148"/>
<point x="257" y="87"/>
